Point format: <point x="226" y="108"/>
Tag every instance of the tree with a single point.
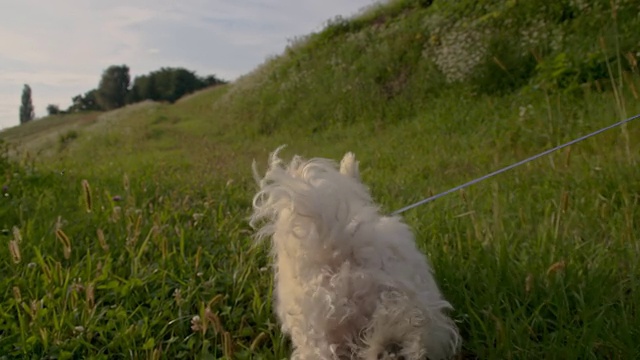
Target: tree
<point x="171" y="84"/>
<point x="212" y="80"/>
<point x="26" y="109"/>
<point x="86" y="102"/>
<point x="143" y="88"/>
<point x="168" y="84"/>
<point x="114" y="87"/>
<point x="53" y="109"/>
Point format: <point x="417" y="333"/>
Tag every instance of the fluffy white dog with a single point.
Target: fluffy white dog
<point x="349" y="282"/>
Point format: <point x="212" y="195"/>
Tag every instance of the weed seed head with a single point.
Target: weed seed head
<point x="14" y="249"/>
<point x="87" y="194"/>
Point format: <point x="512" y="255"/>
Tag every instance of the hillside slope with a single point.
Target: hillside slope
<point x="132" y="223"/>
<point x="396" y="61"/>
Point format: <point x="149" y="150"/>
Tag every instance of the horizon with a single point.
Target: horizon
<point x="60" y="62"/>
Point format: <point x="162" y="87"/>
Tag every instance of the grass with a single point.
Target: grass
<point x="131" y="241"/>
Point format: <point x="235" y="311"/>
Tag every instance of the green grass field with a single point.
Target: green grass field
<point x="124" y="234"/>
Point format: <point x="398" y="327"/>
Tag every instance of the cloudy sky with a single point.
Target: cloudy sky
<point x="61" y="47"/>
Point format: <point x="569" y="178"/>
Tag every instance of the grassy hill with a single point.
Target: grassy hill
<point x="120" y="228"/>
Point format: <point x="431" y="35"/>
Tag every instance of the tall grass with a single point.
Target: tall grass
<point x="131" y="241"/>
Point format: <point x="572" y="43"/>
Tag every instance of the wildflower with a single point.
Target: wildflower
<point x="16" y="234"/>
<point x="555" y="267"/>
<point x="77" y="286"/>
<point x="116" y="198"/>
<point x="197" y="216"/>
<point x="196" y="324"/>
<point x="522" y="112"/>
<point x="227" y="348"/>
<point x="87" y="194"/>
<point x="59" y="223"/>
<point x="117" y="211"/>
<point x="66" y="243"/>
<point x="258" y="341"/>
<point x="35" y="306"/>
<point x="14" y="249"/>
<point x="101" y="240"/>
<point x="216" y="299"/>
<point x="16" y="294"/>
<point x="214" y="320"/>
<point x="460" y="51"/>
<point x="90" y="296"/>
<point x="528" y="283"/>
<point x="177" y="296"/>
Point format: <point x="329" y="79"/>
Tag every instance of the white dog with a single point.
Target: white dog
<point x="350" y="282"/>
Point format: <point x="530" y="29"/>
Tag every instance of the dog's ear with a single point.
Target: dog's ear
<point x="349" y="166"/>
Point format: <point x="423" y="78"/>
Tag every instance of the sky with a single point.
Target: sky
<point x="60" y="47"/>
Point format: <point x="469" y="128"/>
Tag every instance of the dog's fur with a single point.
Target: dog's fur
<point x="350" y="283"/>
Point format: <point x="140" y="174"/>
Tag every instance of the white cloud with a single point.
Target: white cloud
<point x="60" y="48"/>
<point x="52" y="78"/>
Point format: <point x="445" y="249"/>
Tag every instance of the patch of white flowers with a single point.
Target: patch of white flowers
<point x="538" y="33"/>
<point x="459" y="51"/>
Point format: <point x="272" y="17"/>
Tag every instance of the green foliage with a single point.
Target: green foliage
<point x="114" y="87"/>
<point x="53" y="109"/>
<point x="94" y="282"/>
<point x="114" y="91"/>
<point x="404" y="56"/>
<point x="26" y="106"/>
<point x="5" y="164"/>
<point x="509" y="71"/>
<point x="151" y="256"/>
<point x="143" y="88"/>
<point x="374" y="15"/>
<point x="86" y="102"/>
<point x="169" y="84"/>
<point x="66" y="138"/>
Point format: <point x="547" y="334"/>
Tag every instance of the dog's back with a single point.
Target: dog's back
<point x="350" y="282"/>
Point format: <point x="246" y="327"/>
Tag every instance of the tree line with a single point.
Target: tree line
<point x="116" y="90"/>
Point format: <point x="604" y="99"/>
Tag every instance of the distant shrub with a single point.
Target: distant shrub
<point x="85" y="102"/>
<point x="169" y="84"/>
<point x="53" y="109"/>
<point x="65" y="138"/>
